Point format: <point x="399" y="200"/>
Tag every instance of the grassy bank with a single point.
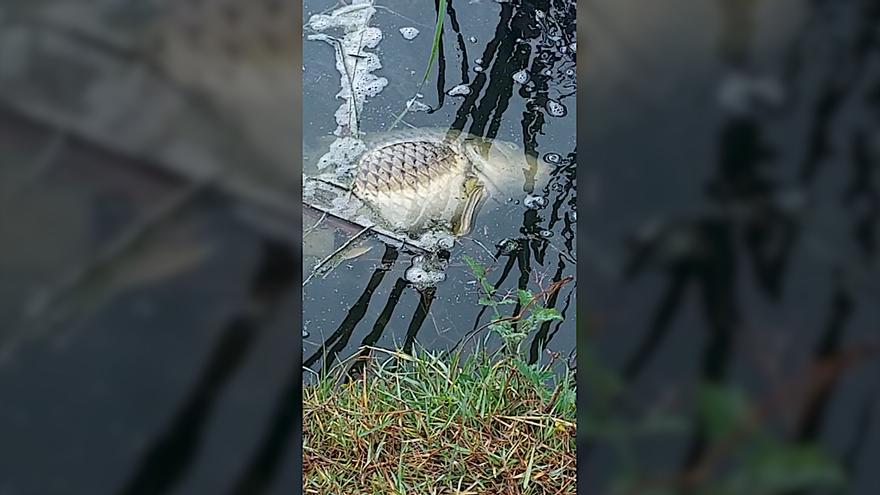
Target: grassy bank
<point x="426" y="424"/>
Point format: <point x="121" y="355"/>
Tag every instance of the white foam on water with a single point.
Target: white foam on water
<point x="343" y="152"/>
<point x="409" y="33"/>
<point x="414" y="105"/>
<point x="356" y="79"/>
<point x="460" y="90"/>
<point x="521" y="76"/>
<point x="556" y="109"/>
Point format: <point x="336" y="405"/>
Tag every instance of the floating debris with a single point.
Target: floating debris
<point x="343" y="152"/>
<point x="414" y="105"/>
<point x="426" y="271"/>
<point x="556" y="109"/>
<point x="357" y="81"/>
<point x="553" y="158"/>
<point x="535" y="202"/>
<point x="409" y="33"/>
<point x="437" y="240"/>
<point x="356" y="252"/>
<point x="507" y="247"/>
<point x="421" y="180"/>
<point x="521" y="77"/>
<point x="472" y="39"/>
<point x="460" y="90"/>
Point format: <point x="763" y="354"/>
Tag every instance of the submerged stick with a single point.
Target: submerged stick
<point x="334" y="253"/>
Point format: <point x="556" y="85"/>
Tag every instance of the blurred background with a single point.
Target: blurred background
<point x="149" y="170"/>
<point x="148" y="249"/>
<point x="728" y="246"/>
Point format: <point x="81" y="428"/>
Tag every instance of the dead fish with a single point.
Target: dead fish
<point x="422" y="180"/>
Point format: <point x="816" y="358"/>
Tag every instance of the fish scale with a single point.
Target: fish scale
<point x="405" y="167"/>
<point x="412" y="182"/>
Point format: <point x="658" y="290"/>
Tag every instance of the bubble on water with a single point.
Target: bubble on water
<point x="478" y="61"/>
<point x="546" y="234"/>
<point x="547" y="72"/>
<point x="507" y="247"/>
<point x="460" y="90"/>
<point x="569" y="72"/>
<point x="478" y="69"/>
<point x="553" y="158"/>
<point x="535" y="202"/>
<point x="574" y="216"/>
<point x="556" y="109"/>
<point x="409" y="33"/>
<point x="414" y="105"/>
<point x="521" y="76"/>
<point x="305" y="334"/>
<point x="472" y="39"/>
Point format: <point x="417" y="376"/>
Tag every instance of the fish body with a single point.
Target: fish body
<point x="413" y="185"/>
<point x="422" y="180"/>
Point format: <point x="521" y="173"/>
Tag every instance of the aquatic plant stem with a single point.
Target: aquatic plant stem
<point x="435" y="48"/>
<point x="555" y="286"/>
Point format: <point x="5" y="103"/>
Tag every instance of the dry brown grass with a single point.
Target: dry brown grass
<point x="421" y="424"/>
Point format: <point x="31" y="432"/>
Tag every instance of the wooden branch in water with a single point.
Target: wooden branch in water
<point x="334" y="253"/>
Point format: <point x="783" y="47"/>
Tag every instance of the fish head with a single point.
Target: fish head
<point x="504" y="167"/>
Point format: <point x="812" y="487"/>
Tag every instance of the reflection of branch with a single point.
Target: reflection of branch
<point x="545" y="293"/>
<point x="167" y="459"/>
<point x="52" y="308"/>
<point x="355" y="314"/>
<point x="426" y="299"/>
<point x="541" y="339"/>
<point x="44" y="160"/>
<point x="810" y="382"/>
